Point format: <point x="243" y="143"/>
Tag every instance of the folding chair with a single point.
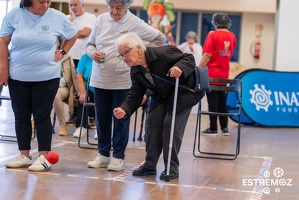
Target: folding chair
<point x="86" y="107"/>
<point x="85" y="110"/>
<point x="231" y="85"/>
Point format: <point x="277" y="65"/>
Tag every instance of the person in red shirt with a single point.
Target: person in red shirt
<point x="218" y="50"/>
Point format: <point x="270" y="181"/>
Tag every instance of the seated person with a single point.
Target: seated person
<point x="83" y="74"/>
<point x="66" y="92"/>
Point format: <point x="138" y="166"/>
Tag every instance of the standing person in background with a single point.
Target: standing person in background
<point x="84" y="22"/>
<point x="111" y="78"/>
<point x="83" y="75"/>
<point x="218" y="50"/>
<point x="191" y="46"/>
<point x="31" y="69"/>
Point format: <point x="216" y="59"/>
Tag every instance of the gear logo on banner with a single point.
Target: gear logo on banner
<point x="261" y="97"/>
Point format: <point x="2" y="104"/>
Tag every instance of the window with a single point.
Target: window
<point x="189" y="22"/>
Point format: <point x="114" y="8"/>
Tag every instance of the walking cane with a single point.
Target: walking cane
<point x="172" y="127"/>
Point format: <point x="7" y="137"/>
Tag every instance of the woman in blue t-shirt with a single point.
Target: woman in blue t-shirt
<point x="32" y="73"/>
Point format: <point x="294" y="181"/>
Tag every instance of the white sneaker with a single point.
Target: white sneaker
<point x="116" y="165"/>
<point x="77" y="132"/>
<point x="99" y="162"/>
<point x="20" y="161"/>
<point x="95" y="137"/>
<point x="40" y="165"/>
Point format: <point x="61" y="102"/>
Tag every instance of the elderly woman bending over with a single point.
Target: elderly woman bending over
<point x="167" y="62"/>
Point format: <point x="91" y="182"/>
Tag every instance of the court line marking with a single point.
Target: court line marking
<point x="256" y="193"/>
<point x="122" y="178"/>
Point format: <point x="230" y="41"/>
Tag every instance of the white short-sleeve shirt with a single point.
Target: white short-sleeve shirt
<point x="114" y="73"/>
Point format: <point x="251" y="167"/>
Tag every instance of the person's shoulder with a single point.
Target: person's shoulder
<point x="131" y="16"/>
<point x="16" y="11"/>
<point x="89" y="15"/>
<point x="165" y="49"/>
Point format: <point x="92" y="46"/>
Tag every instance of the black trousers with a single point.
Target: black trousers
<point x="217" y="103"/>
<point x="35" y="98"/>
<point x="158" y="136"/>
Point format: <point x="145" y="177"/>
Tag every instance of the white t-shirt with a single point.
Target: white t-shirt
<point x="85" y="20"/>
<point x="197" y="48"/>
<point x="114" y="73"/>
<point x="34" y="41"/>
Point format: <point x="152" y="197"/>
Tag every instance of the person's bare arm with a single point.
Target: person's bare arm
<point x="67" y="44"/>
<point x="205" y="59"/>
<point x="81" y="87"/>
<point x="4" y="73"/>
<point x="85" y="32"/>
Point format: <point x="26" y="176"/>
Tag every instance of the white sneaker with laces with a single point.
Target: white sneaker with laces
<point x="40" y="165"/>
<point x="95" y="137"/>
<point x="77" y="132"/>
<point x="116" y="165"/>
<point x="99" y="162"/>
<point x="20" y="161"/>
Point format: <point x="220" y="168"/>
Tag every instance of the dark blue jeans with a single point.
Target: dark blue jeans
<point x="35" y="98"/>
<point x="105" y="102"/>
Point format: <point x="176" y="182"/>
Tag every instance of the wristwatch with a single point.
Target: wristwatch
<point x="63" y="52"/>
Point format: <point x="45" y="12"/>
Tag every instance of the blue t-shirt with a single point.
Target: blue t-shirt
<point x="33" y="42"/>
<point x="84" y="67"/>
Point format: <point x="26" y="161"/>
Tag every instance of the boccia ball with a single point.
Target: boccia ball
<point x="52" y="157"/>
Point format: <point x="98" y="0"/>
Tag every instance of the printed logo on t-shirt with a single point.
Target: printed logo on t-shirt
<point x="225" y="51"/>
<point x="44" y="30"/>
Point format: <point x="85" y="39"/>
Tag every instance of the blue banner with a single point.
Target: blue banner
<point x="270" y="98"/>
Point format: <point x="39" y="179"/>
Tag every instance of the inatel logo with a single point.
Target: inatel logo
<point x="261" y="97"/>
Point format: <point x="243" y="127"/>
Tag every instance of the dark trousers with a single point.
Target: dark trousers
<point x="158" y="136"/>
<point x="87" y="111"/>
<point x="105" y="102"/>
<point x="35" y="98"/>
<point x="217" y="103"/>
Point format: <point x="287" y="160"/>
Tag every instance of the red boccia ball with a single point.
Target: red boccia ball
<point x="52" y="157"/>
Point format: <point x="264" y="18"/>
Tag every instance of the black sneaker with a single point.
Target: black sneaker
<point x="172" y="175"/>
<point x="142" y="171"/>
<point x="225" y="132"/>
<point x="208" y="131"/>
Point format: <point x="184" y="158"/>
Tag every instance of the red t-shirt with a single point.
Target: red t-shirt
<point x="221" y="44"/>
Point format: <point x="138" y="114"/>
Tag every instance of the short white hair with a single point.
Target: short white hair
<point x="126" y="3"/>
<point x="81" y="2"/>
<point x="131" y="39"/>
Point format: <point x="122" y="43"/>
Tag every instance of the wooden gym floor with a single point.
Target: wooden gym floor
<point x="267" y="168"/>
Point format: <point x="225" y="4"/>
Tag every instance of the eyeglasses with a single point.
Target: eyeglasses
<point x="118" y="8"/>
<point x="125" y="54"/>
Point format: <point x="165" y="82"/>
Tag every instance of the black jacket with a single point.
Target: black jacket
<point x="159" y="61"/>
